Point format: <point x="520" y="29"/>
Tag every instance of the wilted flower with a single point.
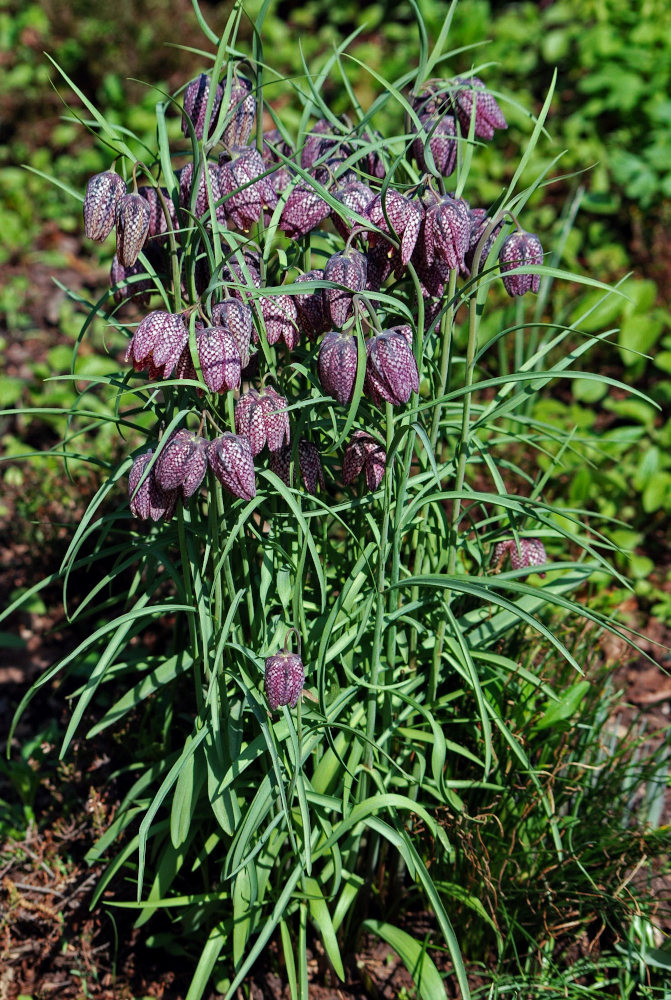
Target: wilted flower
<point x="195" y="105"/>
<point x="157" y="343"/>
<point x="442" y="142"/>
<point x="312" y="314"/>
<point x="531" y="553"/>
<point x="281" y="319"/>
<point x="337" y="365"/>
<point x="284" y="679"/>
<point x="241" y="111"/>
<point x="263" y="419"/>
<point x="182" y="463"/>
<point x="364" y="455"/>
<point x="405" y="218"/>
<point x="308" y="461"/>
<point x="304" y="209"/>
<point x="103" y="193"/>
<point x="230" y="458"/>
<point x="150" y="501"/>
<point x="391" y="369"/>
<point x="348" y="268"/>
<point x="447" y="228"/>
<point x="132" y="226"/>
<point x="488" y="115"/>
<point x="520" y="249"/>
<point x="236" y="316"/>
<point x="241" y="177"/>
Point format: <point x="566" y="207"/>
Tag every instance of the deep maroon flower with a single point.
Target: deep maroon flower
<point x="518" y="250"/>
<point x="246" y="273"/>
<point x="273" y="142"/>
<point x="347" y="268"/>
<point x="195" y="105"/>
<point x="304" y="209"/>
<point x="531" y="553"/>
<point x="355" y="197"/>
<point x="241" y="112"/>
<point x="488" y="115"/>
<point x="230" y="458"/>
<point x="284" y="680"/>
<point x="391" y="369"/>
<point x="405" y="218"/>
<point x="182" y="463"/>
<point x="313" y="316"/>
<point x="364" y="455"/>
<point x="308" y="461"/>
<point x="125" y="289"/>
<point x="447" y="228"/>
<point x="236" y="316"/>
<point x="263" y="419"/>
<point x="157" y="343"/>
<point x="157" y="221"/>
<point x="479" y="224"/>
<point x="280" y="318"/>
<point x="323" y="140"/>
<point x="241" y="177"/>
<point x="337" y="365"/>
<point x="433" y="277"/>
<point x="103" y="193"/>
<point x="202" y="204"/>
<point x="442" y="142"/>
<point x="150" y="500"/>
<point x="132" y="226"/>
<point x="219" y="358"/>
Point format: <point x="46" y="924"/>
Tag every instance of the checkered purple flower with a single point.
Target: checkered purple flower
<point x="263" y="419"/>
<point x="304" y="209"/>
<point x="446" y="231"/>
<point x="148" y="500"/>
<point x="518" y="250"/>
<point x="241" y="112"/>
<point x="230" y="458"/>
<point x="479" y="223"/>
<point x="468" y="90"/>
<point x="337" y="365"/>
<point x="132" y="226"/>
<point x="202" y="204"/>
<point x="284" y="679"/>
<point x="364" y="455"/>
<point x="237" y="318"/>
<point x="280" y="318"/>
<point x="355" y="197"/>
<point x="391" y="370"/>
<point x="405" y="219"/>
<point x="313" y="317"/>
<point x="182" y="463"/>
<point x="157" y="221"/>
<point x="309" y="463"/>
<point x="158" y="343"/>
<point x="103" y="193"/>
<point x="195" y="105"/>
<point x="347" y="268"/>
<point x="531" y="553"/>
<point x="241" y="177"/>
<point x="273" y="144"/>
<point x="442" y="141"/>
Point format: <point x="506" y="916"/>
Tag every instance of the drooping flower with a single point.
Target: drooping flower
<point x="284" y="679"/>
<point x="124" y="288"/>
<point x="241" y="112"/>
<point x="479" y="224"/>
<point x="195" y="105"/>
<point x="371" y="162"/>
<point x="304" y="209"/>
<point x="263" y="419"/>
<point x="158" y="343"/>
<point x="201" y="206"/>
<point x="447" y="228"/>
<point x="405" y="219"/>
<point x="323" y="140"/>
<point x="531" y="553"/>
<point x="364" y="455"/>
<point x="230" y="458"/>
<point x="273" y="142"/>
<point x="103" y="193"/>
<point x="158" y="225"/>
<point x="241" y="170"/>
<point x="219" y="359"/>
<point x="337" y="365"/>
<point x="347" y="268"/>
<point x="236" y="316"/>
<point x="313" y="317"/>
<point x="469" y="90"/>
<point x="442" y="141"/>
<point x="280" y="318"/>
<point x="150" y="500"/>
<point x="355" y="197"/>
<point x="309" y="463"/>
<point x="518" y="250"/>
<point x="391" y="370"/>
<point x="132" y="226"/>
<point x="182" y="463"/>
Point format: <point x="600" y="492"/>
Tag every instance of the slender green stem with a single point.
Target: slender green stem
<point x="193" y="633"/>
<point x="447" y="330"/>
<point x="462" y="451"/>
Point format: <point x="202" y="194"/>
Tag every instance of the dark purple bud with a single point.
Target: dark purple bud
<point x="157" y="343"/>
<point x="132" y="226"/>
<point x="241" y="112"/>
<point x="284" y="680"/>
<point x="521" y="249"/>
<point x="337" y="365"/>
<point x="391" y="369"/>
<point x="263" y="419"/>
<point x="150" y="500"/>
<point x="202" y="204"/>
<point x="347" y="268"/>
<point x="219" y="359"/>
<point x="103" y="193"/>
<point x="280" y="318"/>
<point x="236" y="316"/>
<point x="308" y="461"/>
<point x="303" y="211"/>
<point x="531" y="553"/>
<point x="488" y="115"/>
<point x="442" y="142"/>
<point x="313" y="317"/>
<point x="230" y="458"/>
<point x="447" y="228"/>
<point x="405" y="219"/>
<point x="182" y="463"/>
<point x="239" y="170"/>
<point x="364" y="455"/>
<point x="125" y="289"/>
<point x="356" y="197"/>
<point x="272" y="142"/>
<point x="195" y="105"/>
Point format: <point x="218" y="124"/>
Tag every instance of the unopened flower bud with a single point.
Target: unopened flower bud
<point x="132" y="226"/>
<point x="230" y="458"/>
<point x="284" y="679"/>
<point x="337" y="365"/>
<point x="364" y="455"/>
<point x="103" y="193"/>
<point x="518" y="250"/>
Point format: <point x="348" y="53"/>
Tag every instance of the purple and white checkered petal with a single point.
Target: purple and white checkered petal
<point x="355" y="197"/>
<point x="132" y="226"/>
<point x="312" y="315"/>
<point x="150" y="502"/>
<point x="284" y="677"/>
<point x="488" y="115"/>
<point x="103" y="193"/>
<point x="230" y="458"/>
<point x="451" y="230"/>
<point x="241" y="113"/>
<point x="337" y="365"/>
<point x="170" y="344"/>
<point x="176" y="459"/>
<point x="195" y="105"/>
<point x="249" y="420"/>
<point x="311" y="466"/>
<point x="281" y="319"/>
<point x="348" y="268"/>
<point x="364" y="454"/>
<point x="391" y="367"/>
<point x="518" y="250"/>
<point x="157" y="222"/>
<point x="276" y="418"/>
<point x="219" y="359"/>
<point x="442" y="141"/>
<point x="302" y="212"/>
<point x="196" y="470"/>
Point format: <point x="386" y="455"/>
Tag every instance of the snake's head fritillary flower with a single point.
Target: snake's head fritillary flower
<point x="132" y="226"/>
<point x="364" y="455"/>
<point x="241" y="112"/>
<point x="518" y="250"/>
<point x="313" y="317"/>
<point x="355" y="197"/>
<point x="447" y="228"/>
<point x="219" y="358"/>
<point x="241" y="170"/>
<point x="103" y="193"/>
<point x="531" y="553"/>
<point x="148" y="500"/>
<point x="303" y="210"/>
<point x="391" y="370"/>
<point x="237" y="318"/>
<point x="182" y="463"/>
<point x="158" y="225"/>
<point x="158" y="343"/>
<point x="479" y="224"/>
<point x="347" y="268"/>
<point x="309" y="463"/>
<point x="470" y="90"/>
<point x="202" y="204"/>
<point x="281" y="319"/>
<point x="442" y="141"/>
<point x="263" y="419"/>
<point x="273" y="144"/>
<point x="231" y="460"/>
<point x="284" y="679"/>
<point x="195" y="105"/>
<point x="337" y="365"/>
<point x="396" y="213"/>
